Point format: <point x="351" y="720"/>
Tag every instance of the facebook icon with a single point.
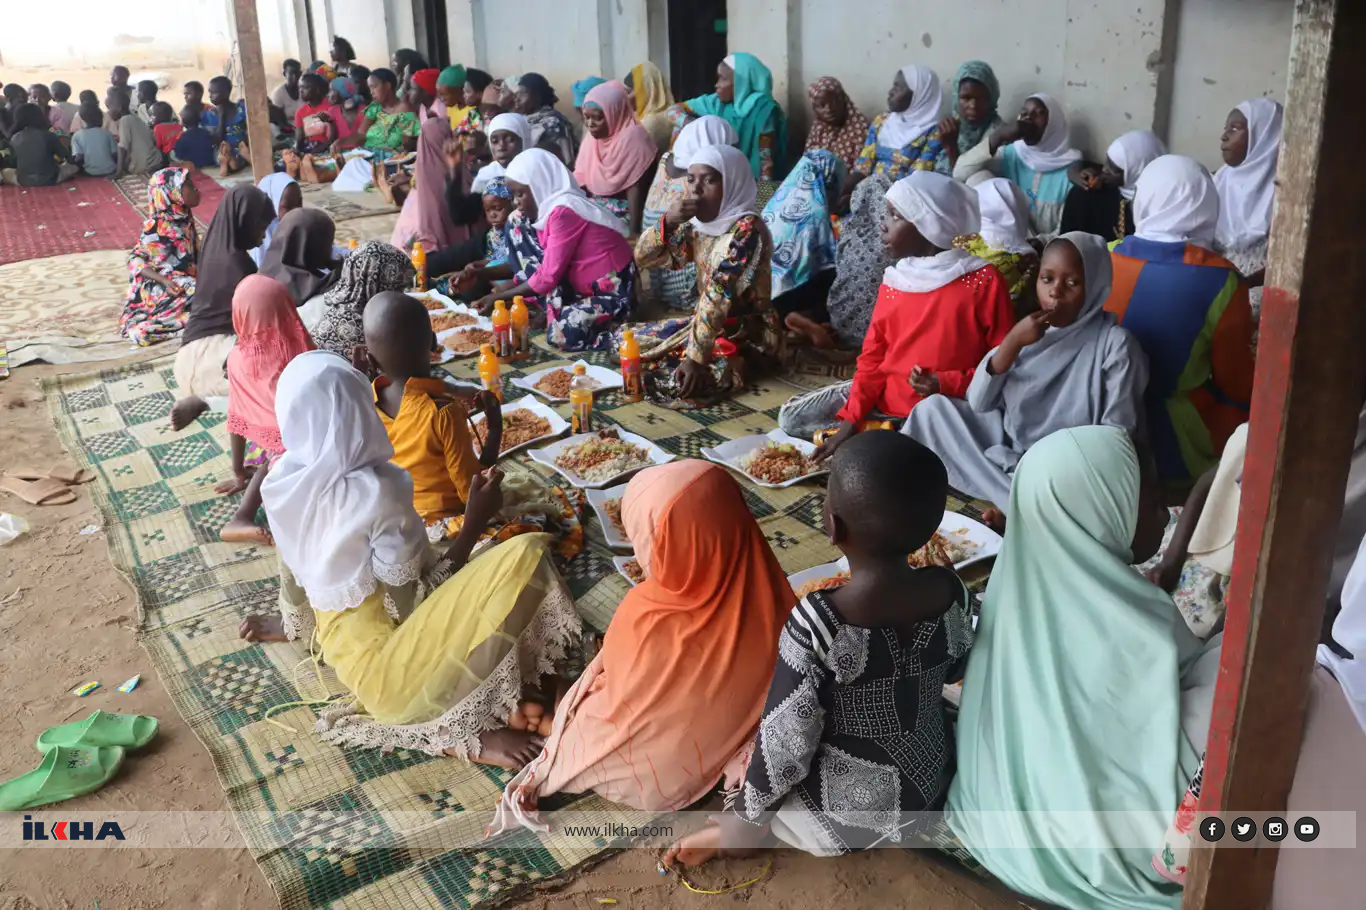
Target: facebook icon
<point x="1211" y="829"/>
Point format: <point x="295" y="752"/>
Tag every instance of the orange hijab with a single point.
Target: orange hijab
<point x="269" y="335"/>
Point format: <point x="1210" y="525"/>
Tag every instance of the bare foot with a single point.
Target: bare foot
<point x="703" y="846"/>
<point x="510" y="749"/>
<point x="308" y="170"/>
<point x="262" y="627"/>
<point x="186" y="411"/>
<point x="995" y="519"/>
<point x="819" y="335"/>
<point x="224" y="160"/>
<point x="230" y="487"/>
<point x="239" y="531"/>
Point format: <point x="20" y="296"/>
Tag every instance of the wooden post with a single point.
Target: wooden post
<point x="1306" y="399"/>
<point x="254" y="91"/>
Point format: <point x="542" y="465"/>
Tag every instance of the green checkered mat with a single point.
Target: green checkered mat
<point x="312" y="813"/>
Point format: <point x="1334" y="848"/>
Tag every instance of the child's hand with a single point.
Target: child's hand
<point x="1029" y="329"/>
<point x="924" y="382"/>
<point x="486" y="497"/>
<point x="827" y="448"/>
<point x="1166" y="575"/>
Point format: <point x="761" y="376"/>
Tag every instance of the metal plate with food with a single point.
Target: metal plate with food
<point x="552" y="383"/>
<point x="607" y="506"/>
<point x="775" y="460"/>
<point x="601" y="459"/>
<point x="525" y="422"/>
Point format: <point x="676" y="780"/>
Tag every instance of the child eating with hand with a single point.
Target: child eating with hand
<point x="859" y="674"/>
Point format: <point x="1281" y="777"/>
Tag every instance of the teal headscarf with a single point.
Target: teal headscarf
<point x="583" y="87"/>
<point x="752" y="111"/>
<point x="452" y="76"/>
<point x="969" y="135"/>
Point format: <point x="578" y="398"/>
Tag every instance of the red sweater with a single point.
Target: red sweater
<point x="946" y="331"/>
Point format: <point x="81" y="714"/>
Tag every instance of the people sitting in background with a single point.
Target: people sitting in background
<point x="744" y="99"/>
<point x="1068" y="364"/>
<point x="405" y="62"/>
<point x="1250" y="146"/>
<point x="342" y="54"/>
<point x="301" y="257"/>
<point x="861" y="259"/>
<point x="37" y="155"/>
<point x="422" y="97"/>
<point x="1004" y="239"/>
<point x="450" y="91"/>
<point x="318" y="123"/>
<point x="477" y="84"/>
<point x="1033" y="151"/>
<point x="550" y="130"/>
<point x="733" y="330"/>
<point x="976" y="94"/>
<point x="226" y="121"/>
<point x="858" y="675"/>
<point x="15" y="98"/>
<point x="580" y="92"/>
<point x="286" y="95"/>
<point x="491" y="102"/>
<point x="1188" y="307"/>
<point x="652" y="99"/>
<point x="509" y="135"/>
<point x="939" y="309"/>
<point x="285" y="196"/>
<point x="61" y="97"/>
<point x="344" y="94"/>
<point x="138" y="152"/>
<point x="165" y="130"/>
<point x="837" y="125"/>
<point x="371" y="269"/>
<point x="360" y="77"/>
<point x="617" y="159"/>
<point x="1102" y="197"/>
<point x="118" y="79"/>
<point x="161" y="268"/>
<point x="92" y="147"/>
<point x="906" y="136"/>
<point x="671" y="288"/>
<point x="387" y="127"/>
<point x="54" y="116"/>
<point x="798" y="218"/>
<point x="195" y="145"/>
<point x="426" y="217"/>
<point x="146" y="101"/>
<point x="193" y="93"/>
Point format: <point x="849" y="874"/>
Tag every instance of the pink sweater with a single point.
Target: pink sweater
<point x="579" y="249"/>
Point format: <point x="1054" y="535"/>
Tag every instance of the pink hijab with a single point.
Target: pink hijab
<point x="425" y="217"/>
<point x="606" y="167"/>
<point x="269" y="335"/>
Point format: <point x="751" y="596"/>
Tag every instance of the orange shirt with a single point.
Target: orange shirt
<point x="432" y="443"/>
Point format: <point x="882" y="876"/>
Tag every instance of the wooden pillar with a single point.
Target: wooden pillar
<point x="254" y="91"/>
<point x="1307" y="396"/>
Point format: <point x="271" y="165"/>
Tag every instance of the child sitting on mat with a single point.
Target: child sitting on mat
<point x="425" y="424"/>
<point x="859" y="674"/>
<point x="269" y="336"/>
<point x="165" y="129"/>
<point x="195" y="145"/>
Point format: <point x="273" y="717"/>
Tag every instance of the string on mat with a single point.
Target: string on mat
<point x="748" y="883"/>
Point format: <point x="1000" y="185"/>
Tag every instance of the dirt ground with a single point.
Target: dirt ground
<point x="66" y="616"/>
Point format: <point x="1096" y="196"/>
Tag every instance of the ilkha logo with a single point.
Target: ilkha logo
<point x="71" y="830"/>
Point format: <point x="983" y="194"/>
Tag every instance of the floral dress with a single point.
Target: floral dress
<point x="1018" y="269"/>
<point x="389" y="130"/>
<point x="733" y="311"/>
<point x="670" y="288"/>
<point x="234" y="131"/>
<point x="924" y="153"/>
<point x="169" y="246"/>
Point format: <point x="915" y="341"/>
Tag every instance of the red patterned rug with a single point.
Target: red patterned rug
<point x="89" y="213"/>
<point x="134" y="190"/>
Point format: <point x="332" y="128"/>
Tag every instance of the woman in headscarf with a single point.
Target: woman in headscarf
<point x="372" y="268"/>
<point x="450" y="91"/>
<point x="653" y="100"/>
<point x="798" y="221"/>
<point x="671" y="288"/>
<point x="1034" y="151"/>
<point x="509" y="136"/>
<point x="1101" y="200"/>
<point x="744" y="98"/>
<point x="581" y="89"/>
<point x="425" y="217"/>
<point x="1004" y="239"/>
<point x="550" y="130"/>
<point x="1188" y="307"/>
<point x="906" y="137"/>
<point x="1071" y="759"/>
<point x="861" y="259"/>
<point x="1250" y="145"/>
<point x="938" y="311"/>
<point x="161" y="267"/>
<point x="695" y="361"/>
<point x="1068" y="364"/>
<point x="668" y="707"/>
<point x="617" y="158"/>
<point x="837" y="125"/>
<point x="434" y="648"/>
<point x="285" y="196"/>
<point x="574" y="258"/>
<point x="345" y="94"/>
<point x="975" y="96"/>
<point x="301" y="257"/>
<point x="237" y="227"/>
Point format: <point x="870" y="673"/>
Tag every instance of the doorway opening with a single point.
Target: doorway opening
<point x="697" y="45"/>
<point x="436" y="44"/>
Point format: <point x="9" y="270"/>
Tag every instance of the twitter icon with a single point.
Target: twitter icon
<point x="1243" y="829"/>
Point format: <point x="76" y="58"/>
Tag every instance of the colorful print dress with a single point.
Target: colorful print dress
<point x="169" y="245"/>
<point x="924" y="153"/>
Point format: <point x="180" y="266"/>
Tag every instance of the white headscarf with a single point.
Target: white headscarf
<point x="1005" y="215"/>
<point x="1246" y="192"/>
<point x="274" y="186"/>
<point x="1132" y="152"/>
<point x="553" y="187"/>
<point x="1054" y="150"/>
<point x="927" y="101"/>
<point x="1176" y="202"/>
<point x="342" y="515"/>
<point x="1349" y="630"/>
<point x="739" y="192"/>
<point x="705" y="131"/>
<point x="511" y="123"/>
<point x="941" y="208"/>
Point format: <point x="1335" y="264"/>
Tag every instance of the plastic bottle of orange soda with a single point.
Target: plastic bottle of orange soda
<point x="420" y="264"/>
<point x="488" y="371"/>
<point x="521" y="327"/>
<point x="581" y="401"/>
<point x="502" y="331"/>
<point x="633" y="388"/>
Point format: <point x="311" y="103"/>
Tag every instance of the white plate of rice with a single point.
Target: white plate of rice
<point x="737" y="455"/>
<point x="799" y="580"/>
<point x="606" y="379"/>
<point x="613" y="470"/>
<point x="598" y="499"/>
<point x="558" y="425"/>
<point x="621" y="562"/>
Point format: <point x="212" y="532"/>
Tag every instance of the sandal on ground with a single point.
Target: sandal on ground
<point x="45" y="492"/>
<point x="103" y="728"/>
<point x="63" y="774"/>
<point x="66" y="473"/>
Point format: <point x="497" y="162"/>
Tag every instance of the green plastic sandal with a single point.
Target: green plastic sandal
<point x="64" y="774"/>
<point x="132" y="731"/>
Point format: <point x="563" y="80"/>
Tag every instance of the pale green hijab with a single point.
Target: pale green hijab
<point x="1072" y="700"/>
